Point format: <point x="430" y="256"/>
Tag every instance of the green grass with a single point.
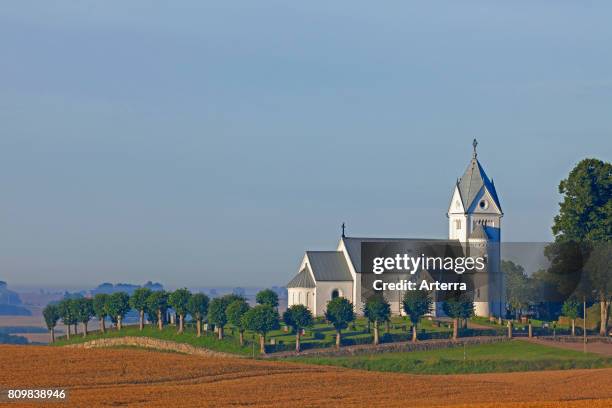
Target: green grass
<point x="229" y="344"/>
<point x="499" y="357"/>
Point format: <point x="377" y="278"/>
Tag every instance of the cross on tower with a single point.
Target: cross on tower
<point x="343" y="228"/>
<point x="474" y="144"/>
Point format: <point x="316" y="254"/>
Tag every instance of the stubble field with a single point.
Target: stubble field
<point x="135" y="377"/>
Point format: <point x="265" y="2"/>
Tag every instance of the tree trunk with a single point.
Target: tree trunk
<point x="530" y="330"/>
<point x="509" y="329"/>
<point x="455" y="328"/>
<point x="84" y="329"/>
<point x="68" y="332"/>
<point x="141" y="325"/>
<point x="102" y="325"/>
<point x="262" y="344"/>
<point x="414" y="333"/>
<point x="376" y="339"/>
<point x="180" y="330"/>
<point x="119" y="323"/>
<point x="160" y="322"/>
<point x="241" y="334"/>
<point x="199" y="327"/>
<point x="76" y="331"/>
<point x="52" y="333"/>
<point x="603" y="327"/>
<point x="297" y="340"/>
<point x="338" y="338"/>
<point x="573" y="327"/>
<point x="220" y="331"/>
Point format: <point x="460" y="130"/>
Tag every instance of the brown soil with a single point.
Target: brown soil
<point x="134" y="377"/>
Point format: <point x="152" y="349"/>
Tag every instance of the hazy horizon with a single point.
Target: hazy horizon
<point x="205" y="144"/>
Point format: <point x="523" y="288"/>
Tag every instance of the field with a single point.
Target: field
<point x="509" y="356"/>
<point x="134" y="377"/>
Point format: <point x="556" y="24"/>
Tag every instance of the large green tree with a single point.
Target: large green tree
<point x="378" y="311"/>
<point x="298" y="317"/>
<point x="138" y="301"/>
<point x="261" y="319"/>
<point x="198" y="308"/>
<point x="339" y="313"/>
<point x="585" y="218"/>
<point x="100" y="306"/>
<point x="85" y="312"/>
<point x="519" y="287"/>
<point x="416" y="304"/>
<point x="67" y="313"/>
<point x="235" y="311"/>
<point x="267" y="297"/>
<point x="217" y="315"/>
<point x="157" y="303"/>
<point x="118" y="306"/>
<point x="51" y="314"/>
<point x="179" y="300"/>
<point x="457" y="306"/>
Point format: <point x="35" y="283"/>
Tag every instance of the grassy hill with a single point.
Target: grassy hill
<point x="509" y="356"/>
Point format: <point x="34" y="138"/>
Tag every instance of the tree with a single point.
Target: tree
<point x="138" y="301"/>
<point x="378" y="310"/>
<point x="298" y="317"/>
<point x="416" y="304"/>
<point x="458" y="306"/>
<point x="100" y="307"/>
<point x="74" y="312"/>
<point x="157" y="303"/>
<point x="118" y="306"/>
<point x="51" y="313"/>
<point x="85" y="312"/>
<point x="339" y="313"/>
<point x="217" y="315"/>
<point x="518" y="287"/>
<point x="571" y="309"/>
<point x="584" y="218"/>
<point x="261" y="319"/>
<point x="234" y="312"/>
<point x="66" y="312"/>
<point x="267" y="297"/>
<point x="198" y="308"/>
<point x="179" y="300"/>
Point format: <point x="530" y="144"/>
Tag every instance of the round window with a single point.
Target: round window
<point x="484" y="204"/>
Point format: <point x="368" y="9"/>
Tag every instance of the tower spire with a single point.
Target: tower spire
<point x="343" y="228"/>
<point x="474" y="144"/>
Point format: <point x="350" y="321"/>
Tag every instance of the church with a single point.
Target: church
<point x="474" y="223"/>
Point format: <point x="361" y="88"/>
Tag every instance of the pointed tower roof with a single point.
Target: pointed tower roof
<point x="473" y="180"/>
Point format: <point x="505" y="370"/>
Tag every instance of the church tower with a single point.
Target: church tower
<point x="474" y="218"/>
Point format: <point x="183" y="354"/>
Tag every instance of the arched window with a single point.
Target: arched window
<point x="457" y="224"/>
<point x="335" y="293"/>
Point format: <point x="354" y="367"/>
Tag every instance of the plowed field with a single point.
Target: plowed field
<point x="134" y="377"/>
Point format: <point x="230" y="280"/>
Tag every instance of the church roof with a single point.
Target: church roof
<point x="479" y="233"/>
<point x="472" y="181"/>
<point x="302" y="280"/>
<point x="353" y="246"/>
<point x="329" y="266"/>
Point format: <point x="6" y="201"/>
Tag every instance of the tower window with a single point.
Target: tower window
<point x="457" y="224"/>
<point x="484" y="204"/>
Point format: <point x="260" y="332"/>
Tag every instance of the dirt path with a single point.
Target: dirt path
<point x="593" y="347"/>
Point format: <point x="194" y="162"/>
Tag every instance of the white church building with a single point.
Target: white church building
<point x="474" y="222"/>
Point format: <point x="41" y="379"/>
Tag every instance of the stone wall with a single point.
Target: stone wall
<point x="389" y="347"/>
<point x="578" y="339"/>
<point x="149" y="342"/>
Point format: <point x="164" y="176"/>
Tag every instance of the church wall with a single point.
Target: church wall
<point x="302" y="296"/>
<point x="324" y="293"/>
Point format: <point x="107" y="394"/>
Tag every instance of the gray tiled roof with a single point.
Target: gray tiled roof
<point x="302" y="280"/>
<point x="329" y="266"/>
<point x="472" y="181"/>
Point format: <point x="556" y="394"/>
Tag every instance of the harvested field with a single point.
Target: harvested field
<point x="134" y="377"/>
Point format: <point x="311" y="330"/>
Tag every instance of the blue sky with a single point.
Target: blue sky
<point x="209" y="144"/>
